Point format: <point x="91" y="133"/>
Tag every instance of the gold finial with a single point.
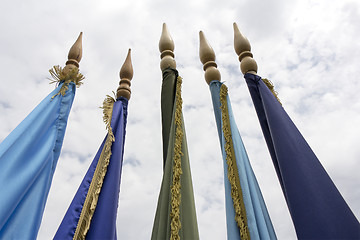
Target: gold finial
<point x="166" y="47"/>
<point x="207" y="57"/>
<point x="126" y="74"/>
<point x="74" y="55"/>
<point x="243" y="50"/>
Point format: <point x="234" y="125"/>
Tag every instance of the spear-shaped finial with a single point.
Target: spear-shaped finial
<point x="74" y="55"/>
<point x="207" y="57"/>
<point x="243" y="50"/>
<point x="126" y="74"/>
<point x="166" y="47"/>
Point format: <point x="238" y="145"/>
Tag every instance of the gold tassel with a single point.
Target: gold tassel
<point x="270" y="85"/>
<point x="57" y="73"/>
<point x="236" y="192"/>
<point x="177" y="171"/>
<point x="99" y="174"/>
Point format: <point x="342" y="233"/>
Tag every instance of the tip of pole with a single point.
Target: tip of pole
<point x="206" y="52"/>
<point x="166" y="42"/>
<point x="126" y="70"/>
<point x="128" y="57"/>
<point x="75" y="52"/>
<point x="203" y="39"/>
<point x="235" y="27"/>
<point x="79" y="37"/>
<point x="126" y="74"/>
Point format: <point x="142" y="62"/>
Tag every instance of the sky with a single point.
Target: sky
<point x="308" y="49"/>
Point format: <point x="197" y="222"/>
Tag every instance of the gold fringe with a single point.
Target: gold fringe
<point x="58" y="74"/>
<point x="99" y="174"/>
<point x="236" y="192"/>
<point x="270" y="85"/>
<point x="107" y="113"/>
<point x="177" y="171"/>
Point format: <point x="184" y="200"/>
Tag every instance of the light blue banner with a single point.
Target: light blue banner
<point x="258" y="220"/>
<point x="28" y="158"/>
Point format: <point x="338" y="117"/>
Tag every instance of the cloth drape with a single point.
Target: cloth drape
<point x="173" y="125"/>
<point x="103" y="221"/>
<point x="28" y="158"/>
<point x="258" y="220"/>
<point x="316" y="206"/>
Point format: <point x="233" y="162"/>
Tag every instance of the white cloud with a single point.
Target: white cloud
<point x="309" y="49"/>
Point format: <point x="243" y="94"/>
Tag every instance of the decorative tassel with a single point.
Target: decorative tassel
<point x="58" y="75"/>
<point x="236" y="192"/>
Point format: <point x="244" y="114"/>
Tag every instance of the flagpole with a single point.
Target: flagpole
<point x="126" y="74"/>
<point x="70" y="73"/>
<point x="207" y="57"/>
<point x="166" y="47"/>
<point x="75" y="55"/>
<point x="243" y="50"/>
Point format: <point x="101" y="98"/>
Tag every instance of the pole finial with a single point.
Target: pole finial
<point x="126" y="74"/>
<point x="243" y="50"/>
<point x="166" y="47"/>
<point x="74" y="56"/>
<point x="207" y="57"/>
<point x="75" y="52"/>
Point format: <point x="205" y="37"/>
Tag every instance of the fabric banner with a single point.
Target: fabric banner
<point x="253" y="221"/>
<point x="175" y="216"/>
<point x="92" y="213"/>
<point x="316" y="206"/>
<point x="28" y="157"/>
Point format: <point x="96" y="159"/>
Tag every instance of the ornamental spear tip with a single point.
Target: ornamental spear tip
<point x="207" y="57"/>
<point x="126" y="74"/>
<point x="166" y="47"/>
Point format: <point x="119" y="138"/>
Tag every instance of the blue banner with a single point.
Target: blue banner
<point x="316" y="206"/>
<point x="258" y="221"/>
<point x="28" y="157"/>
<point x="103" y="220"/>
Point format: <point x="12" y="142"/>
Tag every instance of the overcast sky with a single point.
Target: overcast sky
<point x="310" y="50"/>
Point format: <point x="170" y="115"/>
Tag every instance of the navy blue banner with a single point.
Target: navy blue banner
<point x="316" y="206"/>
